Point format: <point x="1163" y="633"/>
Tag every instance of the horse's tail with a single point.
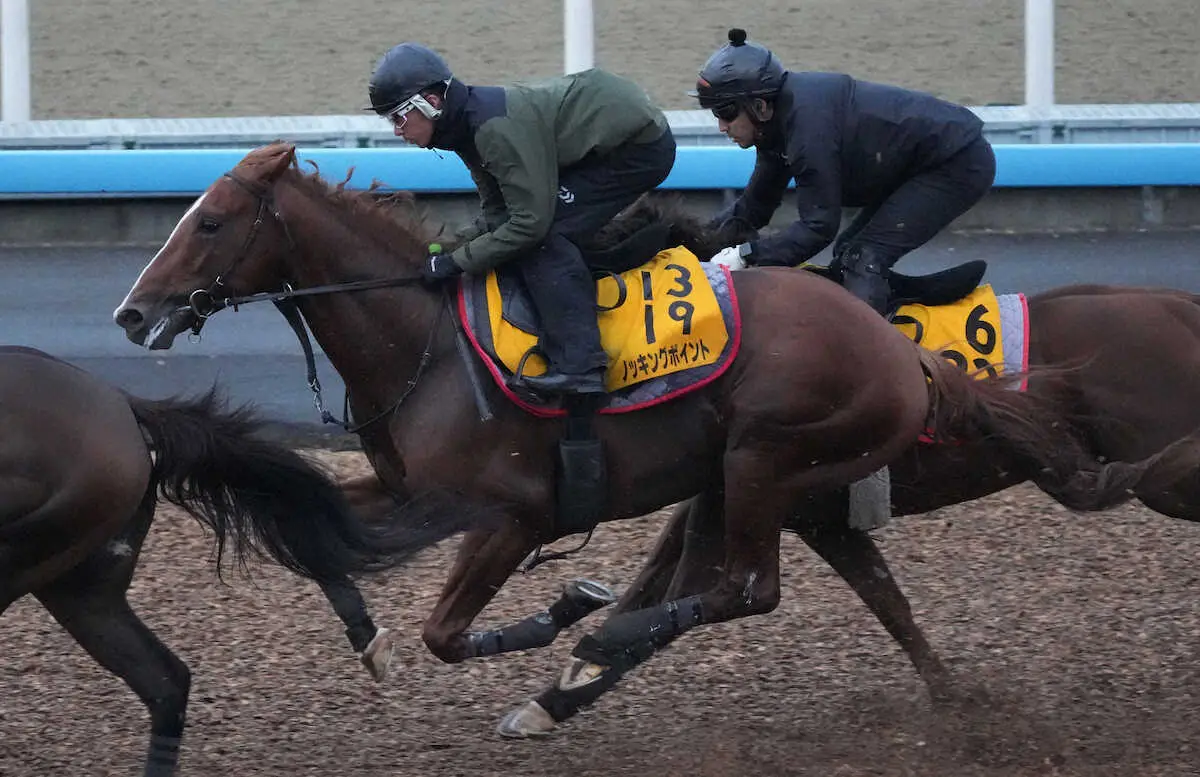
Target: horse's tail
<point x="1033" y="430"/>
<point x="265" y="498"/>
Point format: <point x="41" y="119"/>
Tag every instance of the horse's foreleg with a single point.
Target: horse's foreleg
<point x="747" y="583"/>
<point x="580" y="682"/>
<point x="651" y="584"/>
<point x="650" y="587"/>
<point x="733" y="566"/>
<point x="762" y="488"/>
<point x="369" y="497"/>
<point x="484" y="562"/>
<point x="854" y="556"/>
<point x="581" y="597"/>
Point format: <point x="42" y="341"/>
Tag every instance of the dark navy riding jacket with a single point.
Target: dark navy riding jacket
<point x="845" y="142"/>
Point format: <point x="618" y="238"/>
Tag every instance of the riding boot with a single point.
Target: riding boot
<point x="564" y="293"/>
<point x="591" y="382"/>
<point x="863" y="269"/>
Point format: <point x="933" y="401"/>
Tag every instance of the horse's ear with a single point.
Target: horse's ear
<point x="283" y="158"/>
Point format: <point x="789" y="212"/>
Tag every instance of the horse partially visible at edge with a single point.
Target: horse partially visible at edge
<point x="82" y="467"/>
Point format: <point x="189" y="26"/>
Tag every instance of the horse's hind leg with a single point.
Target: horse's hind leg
<point x="372" y="500"/>
<point x="90" y="602"/>
<point x="373" y="645"/>
<point x="853" y="555"/>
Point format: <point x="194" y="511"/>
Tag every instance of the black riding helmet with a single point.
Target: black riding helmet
<point x="737" y="73"/>
<point x="404" y="72"/>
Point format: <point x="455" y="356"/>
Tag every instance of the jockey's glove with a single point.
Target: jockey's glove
<point x="735" y="257"/>
<point x="438" y="266"/>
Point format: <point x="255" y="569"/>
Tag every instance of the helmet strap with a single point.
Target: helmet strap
<point x="425" y="107"/>
<point x="421" y="104"/>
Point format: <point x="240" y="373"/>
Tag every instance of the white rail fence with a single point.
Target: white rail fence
<point x="578" y="51"/>
<point x="14" y="59"/>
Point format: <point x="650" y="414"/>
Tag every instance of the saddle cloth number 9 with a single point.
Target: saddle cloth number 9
<point x="658" y="319"/>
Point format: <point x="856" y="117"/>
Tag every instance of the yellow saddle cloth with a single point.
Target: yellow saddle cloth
<point x="669" y="327"/>
<point x="983" y="333"/>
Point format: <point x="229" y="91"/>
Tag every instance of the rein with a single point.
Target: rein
<point x="203" y="303"/>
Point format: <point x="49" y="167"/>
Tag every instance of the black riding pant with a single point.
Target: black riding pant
<point x="921" y="207"/>
<point x="590" y="194"/>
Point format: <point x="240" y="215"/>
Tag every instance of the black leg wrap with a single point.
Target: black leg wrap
<point x="573" y="607"/>
<point x="582" y="488"/>
<point x="360" y="634"/>
<point x="533" y="632"/>
<point x="563" y="703"/>
<point x="348" y="605"/>
<point x="537" y="630"/>
<point x="163" y="756"/>
<point x="628" y="639"/>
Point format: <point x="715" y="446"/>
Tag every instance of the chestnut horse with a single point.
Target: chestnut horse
<point x="1134" y="393"/>
<point x="82" y="465"/>
<point x="808" y="404"/>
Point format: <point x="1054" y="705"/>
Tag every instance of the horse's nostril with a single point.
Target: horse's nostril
<point x="128" y="317"/>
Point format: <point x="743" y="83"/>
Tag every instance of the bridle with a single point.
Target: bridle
<point x="203" y="303"/>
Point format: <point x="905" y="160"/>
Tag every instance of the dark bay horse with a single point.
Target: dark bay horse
<point x="809" y="404"/>
<point x="82" y="465"/>
<point x="1134" y="393"/>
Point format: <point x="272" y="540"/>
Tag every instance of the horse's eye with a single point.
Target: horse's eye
<point x="209" y="225"/>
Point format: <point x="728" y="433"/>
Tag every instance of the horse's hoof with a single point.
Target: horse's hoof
<point x="378" y="655"/>
<point x="589" y="592"/>
<point x="528" y="720"/>
<point x="579" y="673"/>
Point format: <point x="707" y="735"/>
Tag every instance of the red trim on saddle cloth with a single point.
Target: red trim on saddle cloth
<point x="552" y="412"/>
<point x="1025" y="342"/>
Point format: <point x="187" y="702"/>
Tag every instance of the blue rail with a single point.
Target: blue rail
<point x="37" y="174"/>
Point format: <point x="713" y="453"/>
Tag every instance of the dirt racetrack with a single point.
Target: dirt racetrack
<point x="1075" y="640"/>
<point x="170" y="58"/>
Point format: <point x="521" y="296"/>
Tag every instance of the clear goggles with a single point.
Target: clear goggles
<point x="398" y="116"/>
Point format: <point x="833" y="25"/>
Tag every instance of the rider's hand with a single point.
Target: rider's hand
<point x="438" y="266"/>
<point x="733" y="257"/>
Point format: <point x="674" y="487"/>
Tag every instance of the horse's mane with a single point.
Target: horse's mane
<point x="394" y="219"/>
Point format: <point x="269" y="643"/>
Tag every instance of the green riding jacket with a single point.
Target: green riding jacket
<point x="515" y="139"/>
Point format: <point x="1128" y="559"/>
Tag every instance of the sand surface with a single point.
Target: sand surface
<point x="176" y="58"/>
<point x="1074" y="639"/>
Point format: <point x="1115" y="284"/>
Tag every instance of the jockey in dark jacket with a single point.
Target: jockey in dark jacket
<point x="553" y="162"/>
<point x="911" y="162"/>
